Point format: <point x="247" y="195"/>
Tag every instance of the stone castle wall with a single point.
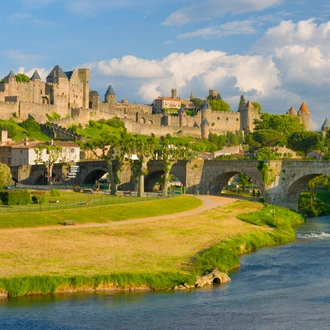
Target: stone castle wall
<point x="8" y="109"/>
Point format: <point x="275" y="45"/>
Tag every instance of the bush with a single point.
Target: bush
<point x="54" y="192"/>
<point x="38" y="197"/>
<point x="16" y="197"/>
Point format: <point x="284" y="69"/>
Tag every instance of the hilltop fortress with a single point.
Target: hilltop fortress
<point x="67" y="95"/>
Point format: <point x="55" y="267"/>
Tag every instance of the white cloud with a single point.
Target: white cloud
<point x="230" y="28"/>
<point x="208" y="9"/>
<point x="202" y="70"/>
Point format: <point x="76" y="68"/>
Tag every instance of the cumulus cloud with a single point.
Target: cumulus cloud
<point x="208" y="9"/>
<point x="230" y="28"/>
<point x="202" y="70"/>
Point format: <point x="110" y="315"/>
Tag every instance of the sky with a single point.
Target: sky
<point x="274" y="52"/>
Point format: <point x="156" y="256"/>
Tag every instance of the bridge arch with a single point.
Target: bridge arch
<point x="295" y="189"/>
<point x="219" y="182"/>
<point x="93" y="175"/>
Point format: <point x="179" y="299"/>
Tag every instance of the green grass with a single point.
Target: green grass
<point x="225" y="255"/>
<point x="100" y="214"/>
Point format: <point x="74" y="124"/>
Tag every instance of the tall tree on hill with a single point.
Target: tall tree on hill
<point x="171" y="151"/>
<point x="219" y="105"/>
<point x="114" y="150"/>
<point x="241" y="104"/>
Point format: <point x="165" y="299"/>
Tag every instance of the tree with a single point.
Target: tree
<point x="198" y="102"/>
<point x="257" y="106"/>
<point x="265" y="153"/>
<point x="304" y="141"/>
<point x="172" y="150"/>
<point x="269" y="137"/>
<point x="241" y="104"/>
<point x="281" y="123"/>
<point x="219" y="105"/>
<point x="145" y="149"/>
<point x="49" y="155"/>
<point x="5" y="176"/>
<point x="114" y="150"/>
<point x="243" y="179"/>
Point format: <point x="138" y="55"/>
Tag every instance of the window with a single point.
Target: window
<point x="72" y="150"/>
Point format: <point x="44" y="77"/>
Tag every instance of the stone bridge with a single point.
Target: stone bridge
<point x="280" y="183"/>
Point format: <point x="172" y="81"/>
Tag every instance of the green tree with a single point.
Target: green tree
<point x="269" y="137"/>
<point x="257" y="106"/>
<point x="171" y="150"/>
<point x="5" y="176"/>
<point x="30" y="125"/>
<point x="241" y="104"/>
<point x="265" y="153"/>
<point x="219" y="105"/>
<point x="22" y="77"/>
<point x="283" y="124"/>
<point x="243" y="180"/>
<point x="114" y="150"/>
<point x="49" y="154"/>
<point x="198" y="102"/>
<point x="304" y="141"/>
<point x="144" y="148"/>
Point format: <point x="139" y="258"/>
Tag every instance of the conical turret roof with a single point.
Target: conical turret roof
<point x="57" y="72"/>
<point x="205" y="106"/>
<point x="303" y="108"/>
<point x="249" y="105"/>
<point x="181" y="111"/>
<point x="205" y="122"/>
<point x="110" y="91"/>
<point x="292" y="112"/>
<point x="35" y="76"/>
<point x="11" y="75"/>
<point x="326" y="124"/>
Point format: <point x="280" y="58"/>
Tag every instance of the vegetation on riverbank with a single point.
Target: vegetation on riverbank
<point x="320" y="207"/>
<point x="145" y="255"/>
<point x="225" y="255"/>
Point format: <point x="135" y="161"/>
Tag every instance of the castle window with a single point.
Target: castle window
<point x="227" y="118"/>
<point x="236" y="119"/>
<point x="218" y="118"/>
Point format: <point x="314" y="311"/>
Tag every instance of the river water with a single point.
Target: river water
<point x="286" y="287"/>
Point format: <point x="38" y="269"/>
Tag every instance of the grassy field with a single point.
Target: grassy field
<point x="155" y="253"/>
<point x="119" y="208"/>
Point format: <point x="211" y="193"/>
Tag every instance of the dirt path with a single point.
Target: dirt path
<point x="209" y="202"/>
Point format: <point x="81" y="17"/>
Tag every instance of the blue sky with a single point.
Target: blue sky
<point x="275" y="52"/>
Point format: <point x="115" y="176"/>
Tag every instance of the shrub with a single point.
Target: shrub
<point x="16" y="197"/>
<point x="38" y="197"/>
<point x="54" y="192"/>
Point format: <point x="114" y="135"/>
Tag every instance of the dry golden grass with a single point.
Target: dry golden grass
<point x="163" y="245"/>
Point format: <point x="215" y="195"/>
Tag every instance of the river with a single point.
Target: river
<point x="286" y="287"/>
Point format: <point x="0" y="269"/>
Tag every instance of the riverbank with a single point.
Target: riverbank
<point x="145" y="254"/>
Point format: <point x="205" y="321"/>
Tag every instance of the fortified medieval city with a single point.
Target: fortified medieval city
<point x="69" y="96"/>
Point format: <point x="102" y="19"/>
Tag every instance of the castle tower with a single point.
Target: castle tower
<point x="35" y="76"/>
<point x="206" y="112"/>
<point x="182" y="117"/>
<point x="35" y="80"/>
<point x="84" y="76"/>
<point x="173" y="93"/>
<point x="292" y="112"/>
<point x="110" y="98"/>
<point x="60" y="85"/>
<point x="248" y="115"/>
<point x="94" y="100"/>
<point x="192" y="96"/>
<point x="12" y="83"/>
<point x="305" y="116"/>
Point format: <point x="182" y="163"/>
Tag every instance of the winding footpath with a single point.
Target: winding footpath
<point x="209" y="202"/>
